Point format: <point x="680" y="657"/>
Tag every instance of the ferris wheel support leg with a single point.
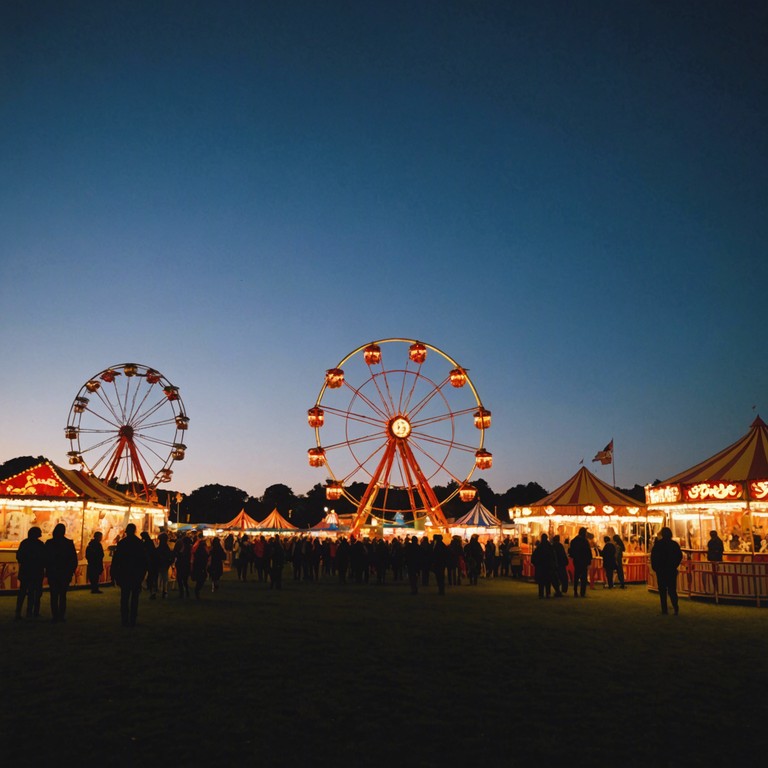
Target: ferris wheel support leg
<point x="425" y="489"/>
<point x="370" y="492"/>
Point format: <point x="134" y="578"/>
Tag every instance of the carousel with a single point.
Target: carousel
<point x="726" y="494"/>
<point x="586" y="501"/>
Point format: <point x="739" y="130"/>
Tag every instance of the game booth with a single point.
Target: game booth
<point x="727" y="493"/>
<point x="46" y="494"/>
<point x="586" y="501"/>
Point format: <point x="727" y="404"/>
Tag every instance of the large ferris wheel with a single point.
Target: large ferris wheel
<point x="126" y="425"/>
<point x="393" y="419"/>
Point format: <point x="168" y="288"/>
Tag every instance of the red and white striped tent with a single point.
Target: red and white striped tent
<point x="583" y="500"/>
<point x="241" y="522"/>
<point x="584" y="495"/>
<point x="727" y="492"/>
<point x="274" y="521"/>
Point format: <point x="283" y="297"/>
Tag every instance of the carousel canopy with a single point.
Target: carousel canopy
<point x="275" y="522"/>
<point x="478" y="517"/>
<point x="49" y="481"/>
<point x="737" y="472"/>
<point x="586" y="493"/>
<point x="241" y="522"/>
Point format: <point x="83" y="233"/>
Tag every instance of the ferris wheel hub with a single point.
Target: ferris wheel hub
<point x="400" y="427"/>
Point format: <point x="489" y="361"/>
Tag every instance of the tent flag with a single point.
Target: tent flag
<point x="606" y="455"/>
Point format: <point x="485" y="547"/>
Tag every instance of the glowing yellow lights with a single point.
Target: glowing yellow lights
<point x="483" y="459"/>
<point x="467" y="492"/>
<point x="482" y="418"/>
<point x="182" y="422"/>
<point x="316" y="417"/>
<point x="548" y="510"/>
<point x="759" y="489"/>
<point x="663" y="495"/>
<point x="316" y="457"/>
<point x="633" y="510"/>
<point x="333" y="490"/>
<point x="458" y="377"/>
<point x="171" y="392"/>
<point x="607" y="509"/>
<point x="372" y="354"/>
<point x="589" y="509"/>
<point x="130" y="369"/>
<point x="178" y="452"/>
<point x="417" y="352"/>
<point x="92" y="385"/>
<point x="334" y="378"/>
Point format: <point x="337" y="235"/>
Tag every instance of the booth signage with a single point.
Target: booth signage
<point x="38" y="481"/>
<point x="717" y="491"/>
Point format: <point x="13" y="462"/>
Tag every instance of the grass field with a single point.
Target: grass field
<point x="365" y="675"/>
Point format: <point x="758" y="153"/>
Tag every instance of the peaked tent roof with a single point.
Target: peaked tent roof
<point x="49" y="481"/>
<point x="746" y="459"/>
<point x="479" y="517"/>
<point x="329" y="523"/>
<point x="274" y="521"/>
<point x="584" y="490"/>
<point x="241" y="522"/>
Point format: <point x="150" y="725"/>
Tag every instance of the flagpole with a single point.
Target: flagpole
<point x="613" y="462"/>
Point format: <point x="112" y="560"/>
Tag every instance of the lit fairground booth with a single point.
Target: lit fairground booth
<point x="586" y="501"/>
<point x="727" y="493"/>
<point x="46" y="494"/>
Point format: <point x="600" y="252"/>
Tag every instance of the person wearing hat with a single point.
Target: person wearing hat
<point x="31" y="559"/>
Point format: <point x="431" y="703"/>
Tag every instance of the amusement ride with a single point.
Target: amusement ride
<point x="126" y="426"/>
<point x="394" y="419"/>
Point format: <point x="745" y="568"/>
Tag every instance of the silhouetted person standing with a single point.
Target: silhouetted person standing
<point x="31" y="559"/>
<point x="412" y="562"/>
<point x="94" y="555"/>
<point x="619" y="559"/>
<point x="60" y="567"/>
<point x="581" y="554"/>
<point x="276" y="556"/>
<point x="666" y="557"/>
<point x="608" y="553"/>
<point x="439" y="561"/>
<point x="129" y="565"/>
<point x="560" y="579"/>
<point x="543" y="561"/>
<point x="715" y="548"/>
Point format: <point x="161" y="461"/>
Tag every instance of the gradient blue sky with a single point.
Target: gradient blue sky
<point x="567" y="198"/>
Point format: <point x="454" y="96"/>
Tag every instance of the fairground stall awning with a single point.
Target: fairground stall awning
<point x="727" y="492"/>
<point x="478" y="517"/>
<point x="46" y="494"/>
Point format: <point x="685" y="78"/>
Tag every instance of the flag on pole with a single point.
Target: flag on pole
<point x="606" y="455"/>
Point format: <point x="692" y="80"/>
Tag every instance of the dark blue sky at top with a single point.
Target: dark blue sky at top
<point x="568" y="198"/>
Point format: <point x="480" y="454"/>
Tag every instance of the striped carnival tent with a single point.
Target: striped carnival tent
<point x="479" y="520"/>
<point x="274" y="521"/>
<point x="241" y="522"/>
<point x="478" y="517"/>
<point x="585" y="496"/>
<point x="727" y="494"/>
<point x="587" y="501"/>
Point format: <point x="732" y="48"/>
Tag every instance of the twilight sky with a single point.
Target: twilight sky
<point x="569" y="199"/>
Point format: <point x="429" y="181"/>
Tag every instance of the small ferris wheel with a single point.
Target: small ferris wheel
<point x="392" y="420"/>
<point x="126" y="426"/>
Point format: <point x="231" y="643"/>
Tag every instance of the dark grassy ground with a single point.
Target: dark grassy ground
<point x="320" y="674"/>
